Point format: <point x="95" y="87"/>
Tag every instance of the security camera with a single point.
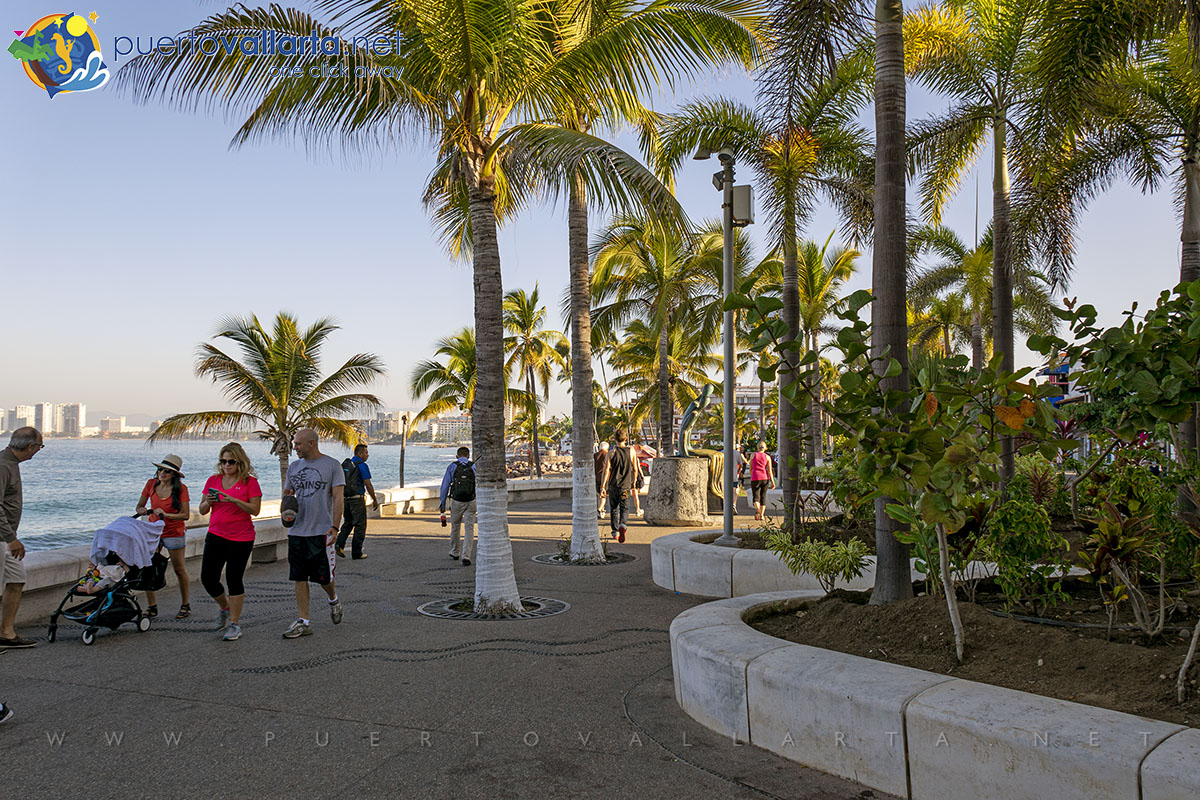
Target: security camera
<point x="725" y="154"/>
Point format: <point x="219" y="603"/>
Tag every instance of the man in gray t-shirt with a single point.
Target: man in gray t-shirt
<point x="317" y="482"/>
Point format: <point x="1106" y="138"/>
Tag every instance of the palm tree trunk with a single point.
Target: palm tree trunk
<point x="495" y="579"/>
<point x="1002" y="273"/>
<point x="535" y="461"/>
<point x="283" y="466"/>
<point x="976" y="343"/>
<point x="946" y="341"/>
<point x="1189" y="270"/>
<point x="666" y="405"/>
<point x="762" y="408"/>
<point x="585" y="534"/>
<point x="403" y="444"/>
<point x="814" y="408"/>
<point x="787" y="441"/>
<point x="893" y="579"/>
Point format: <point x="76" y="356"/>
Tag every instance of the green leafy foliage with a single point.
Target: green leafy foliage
<point x="1030" y="557"/>
<point x="828" y="563"/>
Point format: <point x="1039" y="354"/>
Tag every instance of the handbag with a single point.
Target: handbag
<point x="640" y="481"/>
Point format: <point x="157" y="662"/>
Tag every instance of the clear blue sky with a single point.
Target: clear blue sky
<point x="129" y="231"/>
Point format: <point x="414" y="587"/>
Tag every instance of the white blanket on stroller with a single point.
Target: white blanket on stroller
<point x="133" y="540"/>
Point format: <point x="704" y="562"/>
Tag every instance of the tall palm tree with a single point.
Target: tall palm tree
<point x="535" y="353"/>
<point x="646" y="270"/>
<point x="982" y="53"/>
<point x="464" y="74"/>
<point x="727" y="34"/>
<point x="814" y="148"/>
<point x="807" y="40"/>
<point x="278" y="385"/>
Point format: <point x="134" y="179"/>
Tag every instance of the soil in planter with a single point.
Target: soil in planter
<point x="1069" y="664"/>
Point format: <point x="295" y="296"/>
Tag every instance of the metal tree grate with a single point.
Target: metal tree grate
<point x="542" y="607"/>
<point x="557" y="560"/>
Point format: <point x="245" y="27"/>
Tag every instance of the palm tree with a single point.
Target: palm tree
<point x="278" y="385"/>
<point x="535" y="353"/>
<point x="464" y="74"/>
<point x="967" y="275"/>
<point x="640" y="363"/>
<point x="940" y="324"/>
<point x="714" y="418"/>
<point x="645" y="270"/>
<point x="812" y="148"/>
<point x="451" y="382"/>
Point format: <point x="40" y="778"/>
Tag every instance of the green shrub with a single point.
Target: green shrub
<point x="1030" y="557"/>
<point x="826" y="562"/>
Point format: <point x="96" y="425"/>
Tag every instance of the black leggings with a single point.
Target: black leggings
<point x="221" y="553"/>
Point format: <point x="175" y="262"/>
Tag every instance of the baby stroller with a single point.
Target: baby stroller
<point x="134" y="543"/>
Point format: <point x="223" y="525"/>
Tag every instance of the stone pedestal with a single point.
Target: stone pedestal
<point x="678" y="492"/>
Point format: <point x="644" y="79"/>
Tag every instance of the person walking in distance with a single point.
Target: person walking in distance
<point x="762" y="472"/>
<point x="619" y="477"/>
<point x="459" y="484"/>
<point x="601" y="459"/>
<point x="358" y="480"/>
<point x="317" y="482"/>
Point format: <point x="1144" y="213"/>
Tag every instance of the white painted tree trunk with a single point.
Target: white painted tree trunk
<point x="495" y="579"/>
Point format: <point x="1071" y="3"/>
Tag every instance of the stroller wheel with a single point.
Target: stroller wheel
<point x="52" y="634"/>
<point x="89" y="636"/>
<point x="143" y="624"/>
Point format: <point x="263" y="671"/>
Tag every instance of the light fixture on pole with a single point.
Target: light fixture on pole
<point x="731" y="195"/>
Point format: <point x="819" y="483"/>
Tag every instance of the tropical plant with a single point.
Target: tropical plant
<point x="813" y="148"/>
<point x="826" y="562"/>
<point x="647" y="273"/>
<point x="639" y="363"/>
<point x="276" y="380"/>
<point x="967" y="275"/>
<point x="744" y="425"/>
<point x="535" y="353"/>
<point x="1031" y="559"/>
<point x="939" y="324"/>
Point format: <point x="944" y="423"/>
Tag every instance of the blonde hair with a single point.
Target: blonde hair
<point x="245" y="468"/>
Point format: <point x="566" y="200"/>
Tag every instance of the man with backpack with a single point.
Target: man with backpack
<point x="620" y="475"/>
<point x="358" y="480"/>
<point x="459" y="484"/>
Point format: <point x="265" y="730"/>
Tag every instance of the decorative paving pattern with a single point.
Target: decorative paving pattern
<point x="535" y="647"/>
<point x="543" y="607"/>
<point x="557" y="560"/>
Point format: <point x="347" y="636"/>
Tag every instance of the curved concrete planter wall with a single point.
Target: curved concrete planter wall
<point x="686" y="563"/>
<point x="913" y="733"/>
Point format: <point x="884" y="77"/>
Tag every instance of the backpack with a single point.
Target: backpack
<point x="462" y="483"/>
<point x="354" y="481"/>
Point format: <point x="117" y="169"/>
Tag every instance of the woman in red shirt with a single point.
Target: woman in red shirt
<point x="168" y="501"/>
<point x="762" y="472"/>
<point x="234" y="497"/>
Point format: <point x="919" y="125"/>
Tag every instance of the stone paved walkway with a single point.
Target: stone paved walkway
<point x="390" y="703"/>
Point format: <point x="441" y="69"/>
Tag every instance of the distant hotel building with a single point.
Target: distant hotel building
<point x="112" y="425"/>
<point x="70" y="419"/>
<point x="451" y="428"/>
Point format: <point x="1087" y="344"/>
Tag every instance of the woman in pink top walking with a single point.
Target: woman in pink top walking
<point x="234" y="498"/>
<point x="761" y="472"/>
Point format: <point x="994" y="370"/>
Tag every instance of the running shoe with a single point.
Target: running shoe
<point x="6" y="712"/>
<point x="335" y="611"/>
<point x="222" y="619"/>
<point x="233" y="632"/>
<point x="298" y="628"/>
<point x="621" y="534"/>
<point x="466" y="562"/>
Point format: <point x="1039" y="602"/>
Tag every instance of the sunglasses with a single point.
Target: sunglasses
<point x="228" y="461"/>
<point x="166" y="470"/>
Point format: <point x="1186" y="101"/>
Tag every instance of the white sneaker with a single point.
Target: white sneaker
<point x="233" y="632"/>
<point x="298" y="629"/>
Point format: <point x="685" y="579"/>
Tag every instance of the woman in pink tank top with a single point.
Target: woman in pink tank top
<point x="761" y="473"/>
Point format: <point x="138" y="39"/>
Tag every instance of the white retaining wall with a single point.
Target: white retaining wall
<point x="912" y="733"/>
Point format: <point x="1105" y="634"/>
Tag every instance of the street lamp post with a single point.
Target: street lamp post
<point x="723" y="181"/>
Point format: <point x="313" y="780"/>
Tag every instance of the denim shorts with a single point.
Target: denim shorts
<point x="174" y="542"/>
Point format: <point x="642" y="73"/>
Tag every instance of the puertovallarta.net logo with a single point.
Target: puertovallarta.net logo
<point x="60" y="53"/>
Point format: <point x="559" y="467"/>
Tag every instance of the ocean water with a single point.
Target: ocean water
<point x="75" y="486"/>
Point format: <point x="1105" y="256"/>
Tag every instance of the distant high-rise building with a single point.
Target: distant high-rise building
<point x="23" y="416"/>
<point x="155" y="425"/>
<point x="43" y="414"/>
<point x="74" y="419"/>
<point x="112" y="425"/>
<point x="451" y="429"/>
